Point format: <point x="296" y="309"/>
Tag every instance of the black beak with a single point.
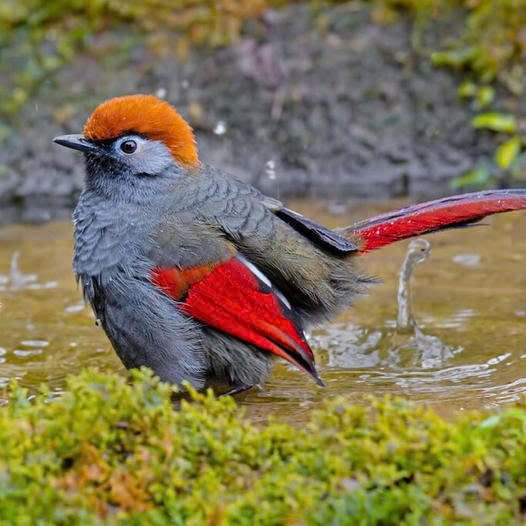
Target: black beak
<point x="77" y="142"/>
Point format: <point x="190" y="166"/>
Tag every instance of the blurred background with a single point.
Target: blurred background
<point x="346" y="99"/>
<point x="342" y="109"/>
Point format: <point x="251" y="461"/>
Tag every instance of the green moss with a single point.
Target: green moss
<point x="491" y="43"/>
<point x="110" y="452"/>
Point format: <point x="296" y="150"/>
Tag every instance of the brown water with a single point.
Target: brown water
<point x="469" y="299"/>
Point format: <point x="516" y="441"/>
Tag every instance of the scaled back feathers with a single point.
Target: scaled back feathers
<point x="149" y="116"/>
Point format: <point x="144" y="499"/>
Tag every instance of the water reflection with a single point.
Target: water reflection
<point x="17" y="280"/>
<point x="351" y="347"/>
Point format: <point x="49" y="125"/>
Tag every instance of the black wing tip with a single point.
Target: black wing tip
<point x="317" y="379"/>
<point x="310" y="369"/>
<point x="328" y="239"/>
<point x="305" y="364"/>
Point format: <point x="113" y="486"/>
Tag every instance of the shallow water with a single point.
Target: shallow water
<point x="469" y="300"/>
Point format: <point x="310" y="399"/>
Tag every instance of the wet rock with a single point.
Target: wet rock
<point x="342" y="107"/>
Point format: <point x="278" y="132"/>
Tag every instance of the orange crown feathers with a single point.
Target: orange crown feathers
<point x="149" y="116"/>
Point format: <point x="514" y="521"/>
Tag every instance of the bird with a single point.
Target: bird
<point x="199" y="276"/>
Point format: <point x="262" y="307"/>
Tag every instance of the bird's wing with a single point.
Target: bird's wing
<point x="296" y="254"/>
<point x="240" y="210"/>
<point x="322" y="236"/>
<point x="235" y="297"/>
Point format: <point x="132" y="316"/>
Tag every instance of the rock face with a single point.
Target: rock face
<point x="326" y="105"/>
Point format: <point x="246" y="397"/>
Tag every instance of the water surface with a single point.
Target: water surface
<point x="469" y="299"/>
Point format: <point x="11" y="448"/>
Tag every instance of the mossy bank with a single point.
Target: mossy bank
<point x="109" y="451"/>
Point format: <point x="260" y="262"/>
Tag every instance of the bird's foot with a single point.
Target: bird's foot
<point x="236" y="389"/>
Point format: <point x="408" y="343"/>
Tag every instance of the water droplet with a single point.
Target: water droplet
<point x="23" y="353"/>
<point x="498" y="359"/>
<point x="468" y="260"/>
<point x="35" y="343"/>
<point x="336" y="208"/>
<point x="220" y="128"/>
<point x="74" y="308"/>
<point x="270" y="169"/>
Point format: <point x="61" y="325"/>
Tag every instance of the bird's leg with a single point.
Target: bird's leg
<point x="236" y="389"/>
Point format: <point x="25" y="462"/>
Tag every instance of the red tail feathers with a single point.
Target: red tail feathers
<point x="447" y="212"/>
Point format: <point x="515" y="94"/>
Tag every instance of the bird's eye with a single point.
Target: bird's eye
<point x="128" y="146"/>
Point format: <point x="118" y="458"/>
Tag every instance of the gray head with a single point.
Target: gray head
<point x="133" y="147"/>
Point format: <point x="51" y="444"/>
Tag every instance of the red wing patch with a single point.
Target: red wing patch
<point x="175" y="283"/>
<point x="230" y="297"/>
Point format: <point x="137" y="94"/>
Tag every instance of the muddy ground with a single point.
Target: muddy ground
<point x="306" y="105"/>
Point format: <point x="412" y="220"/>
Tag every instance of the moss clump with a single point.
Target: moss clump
<point x="492" y="43"/>
<point x="109" y="452"/>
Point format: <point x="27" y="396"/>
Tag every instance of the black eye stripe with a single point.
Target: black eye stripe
<point x="128" y="146"/>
